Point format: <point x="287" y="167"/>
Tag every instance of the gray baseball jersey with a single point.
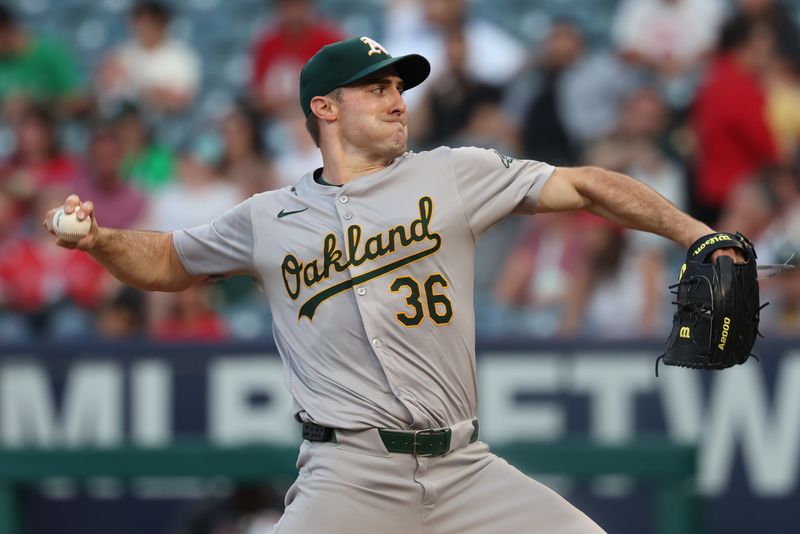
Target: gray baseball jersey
<point x="370" y="284"/>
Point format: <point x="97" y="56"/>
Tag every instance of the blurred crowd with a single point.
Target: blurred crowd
<point x="700" y="99"/>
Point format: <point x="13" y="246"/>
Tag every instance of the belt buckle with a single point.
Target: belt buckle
<point x="426" y="432"/>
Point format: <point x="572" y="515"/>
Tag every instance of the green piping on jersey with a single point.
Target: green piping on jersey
<point x="297" y="273"/>
<point x="308" y="309"/>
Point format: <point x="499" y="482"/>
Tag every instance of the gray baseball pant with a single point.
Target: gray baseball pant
<point x="356" y="487"/>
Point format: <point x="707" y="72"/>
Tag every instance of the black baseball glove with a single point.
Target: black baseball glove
<point x="716" y="321"/>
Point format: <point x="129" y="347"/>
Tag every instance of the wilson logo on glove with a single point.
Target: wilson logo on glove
<point x="717" y="238"/>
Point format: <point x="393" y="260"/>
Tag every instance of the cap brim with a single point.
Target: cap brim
<point x="413" y="69"/>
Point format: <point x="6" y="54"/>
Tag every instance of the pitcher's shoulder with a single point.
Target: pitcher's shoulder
<point x="431" y="153"/>
<point x="438" y="154"/>
<point x="266" y="198"/>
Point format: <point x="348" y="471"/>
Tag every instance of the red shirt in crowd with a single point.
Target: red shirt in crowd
<point x="59" y="170"/>
<point x="279" y="56"/>
<point x="23" y="180"/>
<point x="733" y="137"/>
<point x="205" y="326"/>
<point x="34" y="275"/>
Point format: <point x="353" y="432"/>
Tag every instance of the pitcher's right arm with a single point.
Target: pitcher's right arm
<point x="146" y="260"/>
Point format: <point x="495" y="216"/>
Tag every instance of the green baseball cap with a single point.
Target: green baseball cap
<point x="345" y="62"/>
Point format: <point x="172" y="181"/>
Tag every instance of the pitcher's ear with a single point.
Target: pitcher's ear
<point x="324" y="107"/>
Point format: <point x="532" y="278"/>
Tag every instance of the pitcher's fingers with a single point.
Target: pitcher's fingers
<point x="72" y="203"/>
<point x="86" y="210"/>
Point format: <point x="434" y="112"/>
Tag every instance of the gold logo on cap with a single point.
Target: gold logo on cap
<point x="374" y="46"/>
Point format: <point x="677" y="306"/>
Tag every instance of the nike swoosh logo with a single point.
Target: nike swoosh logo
<point x="283" y="213"/>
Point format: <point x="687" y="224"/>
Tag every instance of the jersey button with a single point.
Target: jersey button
<point x="362" y="291"/>
<point x="377" y="343"/>
<point x="348" y="215"/>
<point x="343" y="199"/>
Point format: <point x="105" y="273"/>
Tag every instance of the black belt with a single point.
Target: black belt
<point x="429" y="442"/>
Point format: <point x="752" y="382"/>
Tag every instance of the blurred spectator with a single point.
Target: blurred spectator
<point x="35" y="69"/>
<point x="187" y="316"/>
<point x="620" y="289"/>
<point x="493" y="55"/>
<point x="450" y="98"/>
<point x="563" y="274"/>
<point x="281" y="52"/>
<point x="669" y="38"/>
<point x="117" y="204"/>
<point x="46" y="292"/>
<point x="203" y="191"/>
<point x="783" y="109"/>
<point x="543" y="132"/>
<point x="761" y="202"/>
<point x="779" y="242"/>
<point x="600" y="251"/>
<point x="122" y="316"/>
<point x="625" y="265"/>
<point x="568" y="97"/>
<point x="487" y="126"/>
<point x="11" y="322"/>
<point x="641" y="146"/>
<point x="533" y="285"/>
<point x="747" y="209"/>
<point x="782" y="316"/>
<point x="244" y="161"/>
<point x="199" y="194"/>
<point x="780" y="20"/>
<point x="152" y="68"/>
<point x="146" y="163"/>
<point x="37" y="160"/>
<point x="295" y="152"/>
<point x="729" y="116"/>
<point x="783" y="89"/>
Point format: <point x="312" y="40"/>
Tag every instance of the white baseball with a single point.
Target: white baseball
<point x="68" y="228"/>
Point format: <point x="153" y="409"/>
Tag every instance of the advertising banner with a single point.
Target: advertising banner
<point x="745" y="421"/>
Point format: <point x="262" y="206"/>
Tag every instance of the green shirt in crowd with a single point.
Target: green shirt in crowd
<point x="42" y="71"/>
<point x="150" y="169"/>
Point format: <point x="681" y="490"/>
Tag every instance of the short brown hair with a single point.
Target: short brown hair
<point x="312" y="123"/>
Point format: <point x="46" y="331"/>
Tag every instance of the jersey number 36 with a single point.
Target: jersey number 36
<point x="439" y="307"/>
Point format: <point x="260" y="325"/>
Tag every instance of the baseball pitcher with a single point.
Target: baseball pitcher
<point x="367" y="264"/>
